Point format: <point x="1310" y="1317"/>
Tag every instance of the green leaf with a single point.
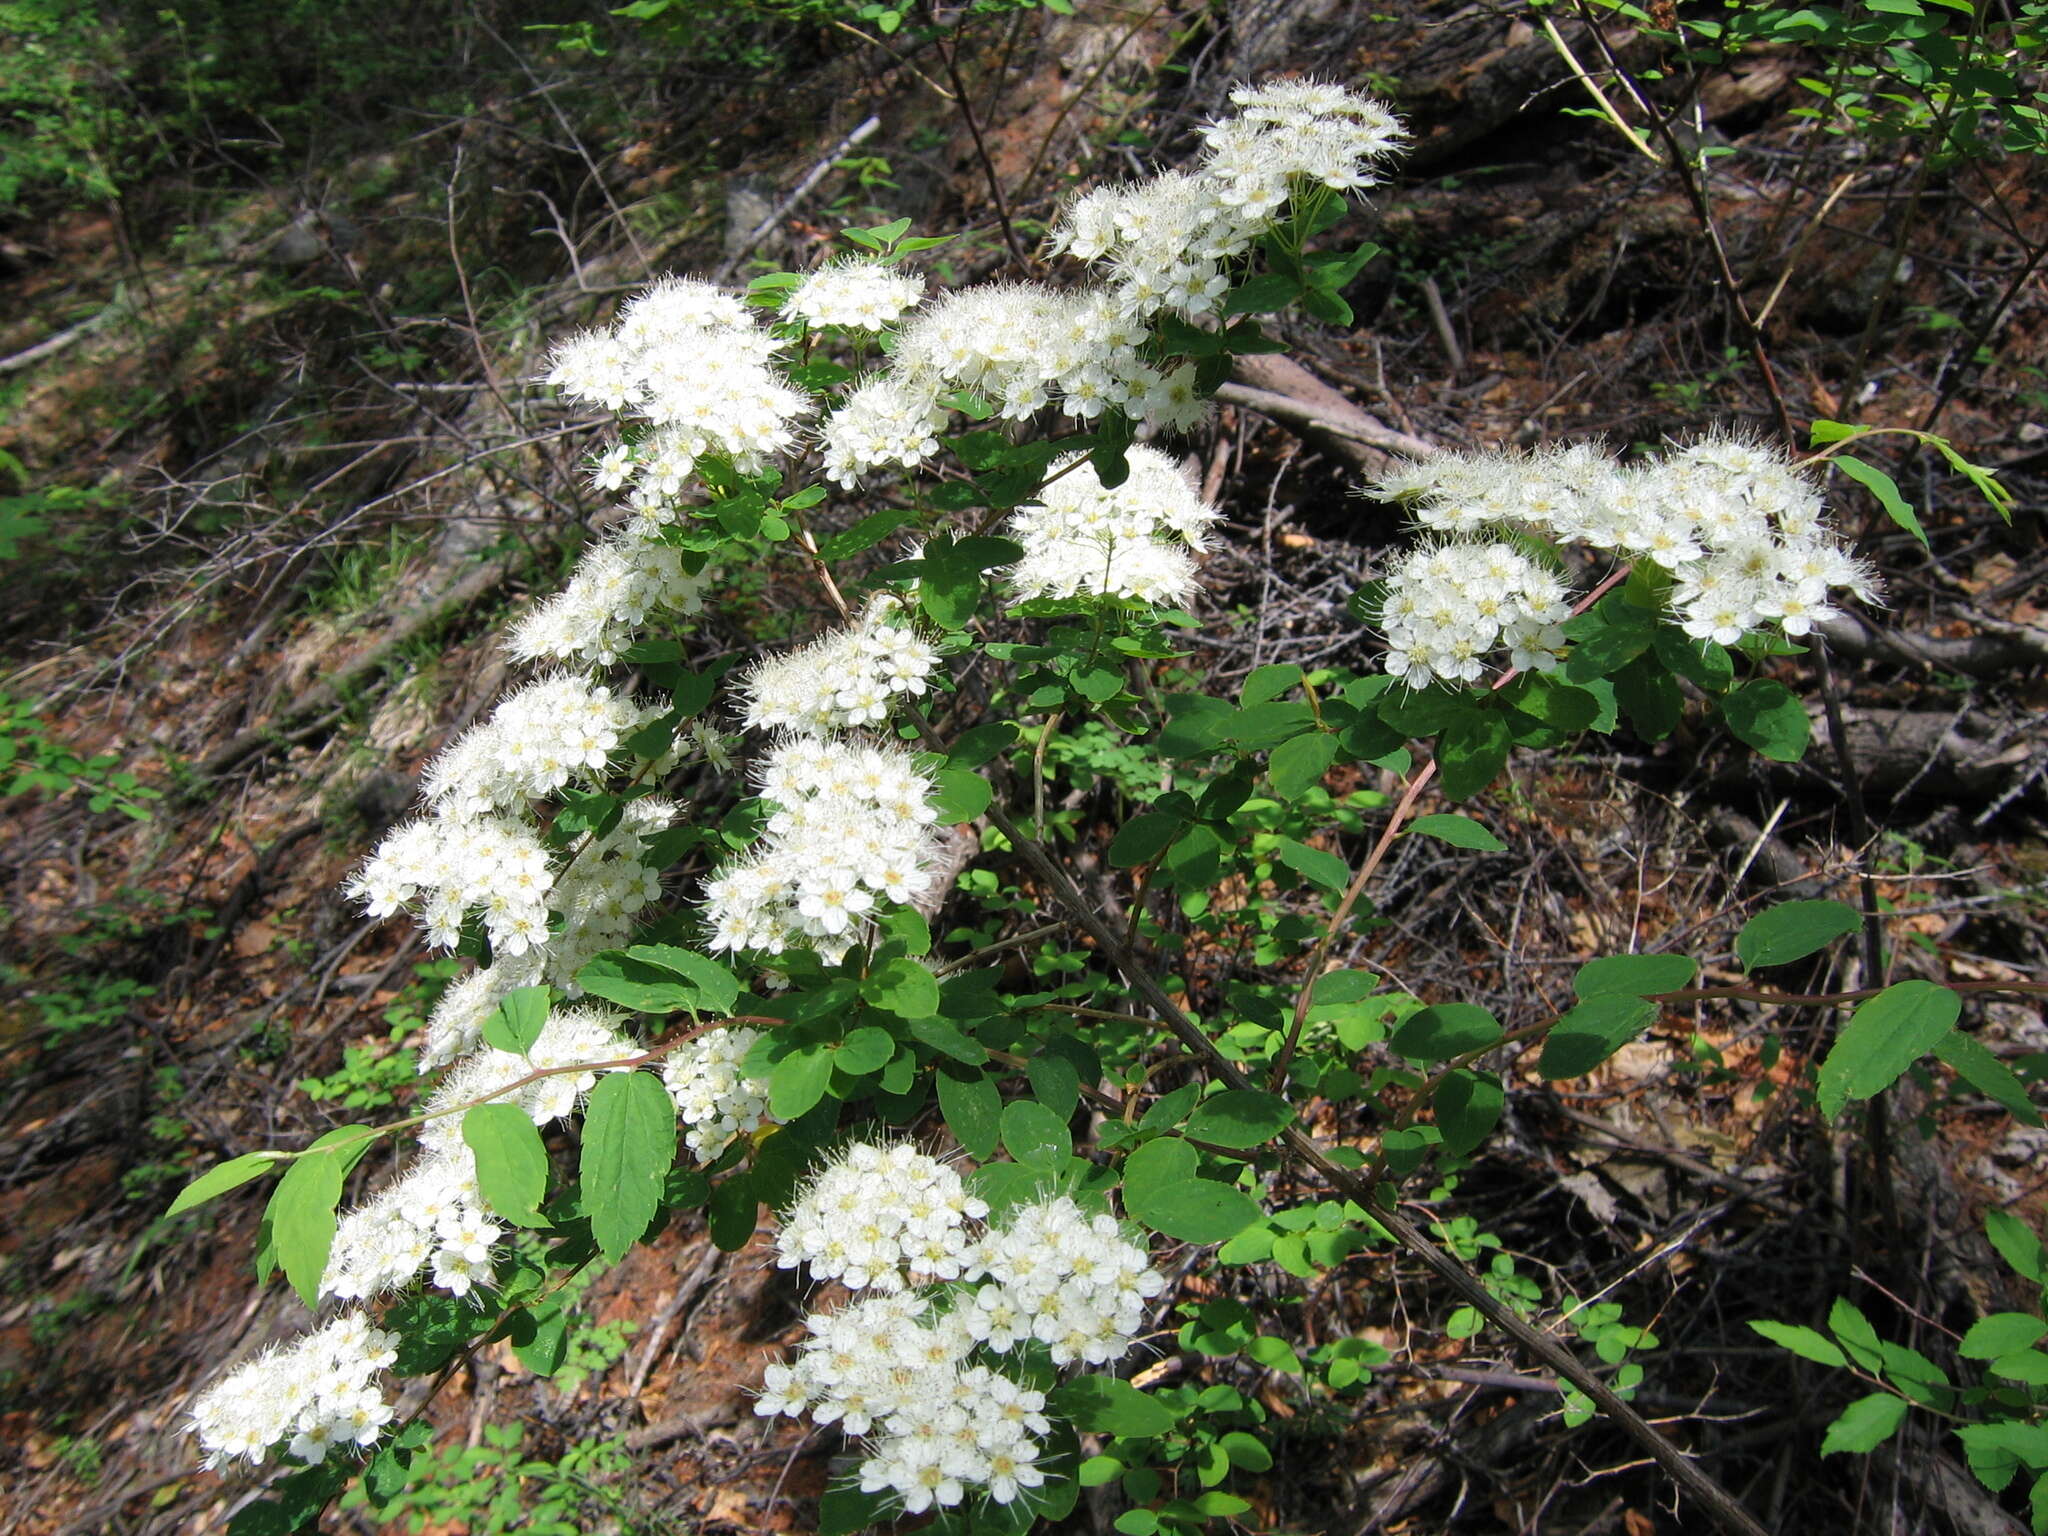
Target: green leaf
<point x="1592" y="1032"/>
<point x="1468" y="1107"/>
<point x="517" y="1021"/>
<point x="903" y="987"/>
<point x="949" y="1040"/>
<point x="1324" y="869"/>
<point x="1034" y="1134"/>
<point x="1768" y="716"/>
<point x="1865" y="1424"/>
<point x="1558" y="704"/>
<point x="1852" y="1328"/>
<point x="1194" y="860"/>
<point x="1985" y="480"/>
<point x="865" y="534"/>
<point x="867" y="1048"/>
<point x="218" y="1180"/>
<point x="635" y="984"/>
<point x="733" y="1213"/>
<point x="1634" y="975"/>
<point x="1163" y="1189"/>
<point x="2000" y="1334"/>
<point x="1143" y="838"/>
<point x="546" y="1343"/>
<point x="1885" y="489"/>
<point x="1807" y="1343"/>
<point x="1882" y="1039"/>
<point x="1650" y="696"/>
<point x="1240" y="1117"/>
<point x="1445" y="1030"/>
<point x="1793" y="930"/>
<point x="1246" y="1452"/>
<point x="718" y="989"/>
<point x="511" y="1163"/>
<point x="1471" y="753"/>
<point x="845" y="1509"/>
<point x="1700" y="662"/>
<point x="961" y="795"/>
<point x="2017" y="1245"/>
<point x="1106" y="1405"/>
<point x="1298" y="764"/>
<point x="1334" y="988"/>
<point x="1974" y="1064"/>
<point x="1261" y="295"/>
<point x="1458" y="831"/>
<point x="2029" y="1367"/>
<point x="799" y="1081"/>
<point x="301" y="1210"/>
<point x="1268" y="683"/>
<point x="629" y="1144"/>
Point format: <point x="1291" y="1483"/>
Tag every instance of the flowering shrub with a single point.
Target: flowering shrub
<point x="792" y="1019"/>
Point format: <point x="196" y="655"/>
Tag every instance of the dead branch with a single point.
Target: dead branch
<point x="1280" y="388"/>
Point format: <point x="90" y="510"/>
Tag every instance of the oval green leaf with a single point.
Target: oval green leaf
<point x="1240" y="1117"/>
<point x="1793" y="930"/>
<point x="1458" y="831"/>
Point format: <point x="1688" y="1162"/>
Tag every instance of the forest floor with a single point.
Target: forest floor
<point x="292" y="474"/>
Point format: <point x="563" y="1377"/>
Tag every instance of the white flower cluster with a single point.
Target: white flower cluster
<point x="1449" y="606"/>
<point x="317" y="1392"/>
<point x="880" y="1217"/>
<point x="1164" y="245"/>
<point x="1069" y="1280"/>
<point x="852" y="826"/>
<point x="938" y="1427"/>
<point x="477" y="850"/>
<point x="1133" y="541"/>
<point x="695" y="363"/>
<point x="914" y="1371"/>
<point x="1165" y="241"/>
<point x="692" y="360"/>
<point x="884" y="421"/>
<point x="718" y="1102"/>
<point x="1742" y="531"/>
<point x="846" y="680"/>
<point x="433" y="1217"/>
<point x="615" y="587"/>
<point x="538" y="739"/>
<point x="859" y="295"/>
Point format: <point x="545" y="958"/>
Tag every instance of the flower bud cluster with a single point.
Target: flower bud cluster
<point x="317" y="1392"/>
<point x="1131" y="541"/>
<point x="855" y="294"/>
<point x="717" y="1101"/>
<point x="851" y="827"/>
<point x="1741" y="529"/>
<point x="1449" y="606"/>
<point x="914" y="1366"/>
<point x="844" y="681"/>
<point x="1164" y="245"/>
